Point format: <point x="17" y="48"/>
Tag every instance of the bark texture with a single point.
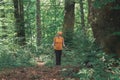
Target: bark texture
<point x="69" y="17"/>
<point x="38" y="22"/>
<point x="82" y="16"/>
<point x="19" y="22"/>
<point x="105" y="22"/>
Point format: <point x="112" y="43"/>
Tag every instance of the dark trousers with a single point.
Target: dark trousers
<point x="58" y="54"/>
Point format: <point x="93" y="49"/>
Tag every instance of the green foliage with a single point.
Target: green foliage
<point x="103" y="68"/>
<point x="102" y="3"/>
<point x="116" y="33"/>
<point x="83" y="47"/>
<point x="52" y="16"/>
<point x="6" y="59"/>
<point x="117" y="7"/>
<point x="14" y="57"/>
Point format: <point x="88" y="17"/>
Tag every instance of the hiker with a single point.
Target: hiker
<point x="58" y="44"/>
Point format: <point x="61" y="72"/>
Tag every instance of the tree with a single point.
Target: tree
<point x="69" y="17"/>
<point x="19" y="21"/>
<point x="38" y="22"/>
<point x="82" y="16"/>
<point x="105" y="20"/>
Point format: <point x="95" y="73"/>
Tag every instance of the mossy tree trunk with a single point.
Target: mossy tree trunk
<point x="38" y="22"/>
<point x="19" y="22"/>
<point x="82" y="16"/>
<point x="68" y="25"/>
<point x="105" y="22"/>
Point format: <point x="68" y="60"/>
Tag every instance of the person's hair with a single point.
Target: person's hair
<point x="59" y="33"/>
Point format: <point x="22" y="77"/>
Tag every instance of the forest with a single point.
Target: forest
<point x="91" y="31"/>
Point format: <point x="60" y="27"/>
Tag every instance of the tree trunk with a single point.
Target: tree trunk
<point x="105" y="22"/>
<point x="69" y="17"/>
<point x="82" y="16"/>
<point x="38" y="22"/>
<point x="90" y="11"/>
<point x="19" y="16"/>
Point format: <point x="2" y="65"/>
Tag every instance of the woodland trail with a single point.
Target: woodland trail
<point x="40" y="72"/>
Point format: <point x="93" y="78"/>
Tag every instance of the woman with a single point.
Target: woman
<point x="58" y="43"/>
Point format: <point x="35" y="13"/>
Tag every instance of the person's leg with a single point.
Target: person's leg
<point x="58" y="56"/>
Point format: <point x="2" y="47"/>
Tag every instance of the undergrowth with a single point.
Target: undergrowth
<point x="91" y="62"/>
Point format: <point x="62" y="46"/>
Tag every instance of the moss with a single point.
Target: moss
<point x="116" y="33"/>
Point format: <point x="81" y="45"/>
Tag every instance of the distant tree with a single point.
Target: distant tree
<point x="69" y="17"/>
<point x="19" y="21"/>
<point x="82" y="15"/>
<point x="38" y="22"/>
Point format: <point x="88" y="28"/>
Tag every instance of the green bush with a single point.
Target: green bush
<point x="84" y="49"/>
<point x="14" y="56"/>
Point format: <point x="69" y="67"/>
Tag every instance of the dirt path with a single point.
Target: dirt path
<point x="39" y="72"/>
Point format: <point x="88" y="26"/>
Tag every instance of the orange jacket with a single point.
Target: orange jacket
<point x="58" y="43"/>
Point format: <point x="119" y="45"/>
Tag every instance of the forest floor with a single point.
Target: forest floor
<point x="39" y="72"/>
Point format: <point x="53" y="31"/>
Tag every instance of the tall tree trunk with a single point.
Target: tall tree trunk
<point x="89" y="10"/>
<point x="82" y="16"/>
<point x="69" y="17"/>
<point x="38" y="22"/>
<point x="19" y="16"/>
<point x="105" y="22"/>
